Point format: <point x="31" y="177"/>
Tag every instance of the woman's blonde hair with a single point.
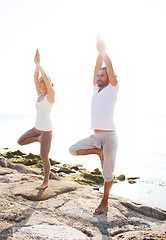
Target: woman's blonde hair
<point x="50" y="81"/>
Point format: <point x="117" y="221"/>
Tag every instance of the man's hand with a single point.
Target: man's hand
<point x="101" y="47"/>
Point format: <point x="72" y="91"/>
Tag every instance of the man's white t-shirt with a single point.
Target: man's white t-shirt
<point x="102" y="107"/>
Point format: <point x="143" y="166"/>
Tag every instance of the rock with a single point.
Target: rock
<point x="3" y="162"/>
<point x="65" y="209"/>
<point x="32" y="156"/>
<point x="24" y="169"/>
<point x="18" y="153"/>
<point x="66" y="165"/>
<point x="83" y="181"/>
<point x="4" y="171"/>
<point x="65" y="170"/>
<point x="9" y="154"/>
<point x="53" y="162"/>
<point x="132" y="178"/>
<point x="17" y="160"/>
<point x="142" y="235"/>
<point x="95" y="178"/>
<point x="79" y="165"/>
<point x="88" y="232"/>
<point x="28" y="190"/>
<point x="96" y="172"/>
<point x="120" y="177"/>
<point x="86" y="178"/>
<point x="81" y="169"/>
<point x="29" y="162"/>
<point x="53" y="170"/>
<point x="115" y="181"/>
<point x="144" y="209"/>
<point x="75" y="168"/>
<point x="19" y="167"/>
<point x="46" y="231"/>
<point x="131" y="181"/>
<point x="61" y="174"/>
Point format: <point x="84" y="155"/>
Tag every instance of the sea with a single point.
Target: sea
<point x="139" y="154"/>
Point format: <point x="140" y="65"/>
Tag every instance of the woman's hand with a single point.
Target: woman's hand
<point x="37" y="56"/>
<point x="101" y="47"/>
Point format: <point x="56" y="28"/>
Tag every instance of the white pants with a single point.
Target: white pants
<point x="105" y="140"/>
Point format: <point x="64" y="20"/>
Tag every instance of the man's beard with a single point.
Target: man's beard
<point x="100" y="83"/>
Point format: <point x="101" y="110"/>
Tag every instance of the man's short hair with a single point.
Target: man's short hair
<point x="104" y="68"/>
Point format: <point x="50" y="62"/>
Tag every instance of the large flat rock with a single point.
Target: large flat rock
<point x="46" y="231"/>
<point x="28" y="189"/>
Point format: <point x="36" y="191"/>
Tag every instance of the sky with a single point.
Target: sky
<point x="65" y="33"/>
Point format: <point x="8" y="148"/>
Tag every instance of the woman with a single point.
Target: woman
<point x="42" y="132"/>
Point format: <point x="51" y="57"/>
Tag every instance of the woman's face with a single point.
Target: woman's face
<point x="42" y="85"/>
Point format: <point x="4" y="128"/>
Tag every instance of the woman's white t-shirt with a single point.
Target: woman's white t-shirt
<point x="43" y="121"/>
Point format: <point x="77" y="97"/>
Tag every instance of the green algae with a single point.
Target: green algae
<point x="120" y="177"/>
<point x="73" y="172"/>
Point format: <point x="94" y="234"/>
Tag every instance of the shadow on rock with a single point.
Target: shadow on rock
<point x="8" y="232"/>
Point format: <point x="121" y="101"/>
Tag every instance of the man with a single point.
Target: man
<point x="104" y="141"/>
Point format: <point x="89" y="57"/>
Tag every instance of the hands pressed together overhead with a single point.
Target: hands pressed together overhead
<point x="101" y="47"/>
<point x="37" y="56"/>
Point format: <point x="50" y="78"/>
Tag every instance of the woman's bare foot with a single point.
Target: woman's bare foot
<point x="101" y="208"/>
<point x="42" y="186"/>
<point x="52" y="175"/>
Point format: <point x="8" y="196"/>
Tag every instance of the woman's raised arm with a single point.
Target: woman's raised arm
<point x="36" y="74"/>
<point x="49" y="85"/>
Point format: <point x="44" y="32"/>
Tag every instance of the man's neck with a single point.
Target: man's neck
<point x="102" y="88"/>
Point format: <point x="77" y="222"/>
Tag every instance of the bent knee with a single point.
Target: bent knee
<point x="19" y="142"/>
<point x="72" y="150"/>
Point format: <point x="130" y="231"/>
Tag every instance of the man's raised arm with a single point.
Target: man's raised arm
<point x="101" y="48"/>
<point x="98" y="65"/>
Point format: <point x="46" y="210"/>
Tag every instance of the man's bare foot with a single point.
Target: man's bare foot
<point x="100" y="154"/>
<point x="101" y="208"/>
<point x="42" y="186"/>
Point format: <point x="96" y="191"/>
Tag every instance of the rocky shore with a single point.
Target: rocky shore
<point x="73" y="172"/>
<point x="65" y="209"/>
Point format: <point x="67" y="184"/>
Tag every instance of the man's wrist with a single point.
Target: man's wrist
<point x="103" y="53"/>
<point x="36" y="61"/>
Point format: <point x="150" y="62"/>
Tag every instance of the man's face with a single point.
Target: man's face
<point x="102" y="78"/>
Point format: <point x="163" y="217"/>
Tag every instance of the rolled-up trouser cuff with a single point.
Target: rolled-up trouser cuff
<point x="108" y="179"/>
<point x="72" y="150"/>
